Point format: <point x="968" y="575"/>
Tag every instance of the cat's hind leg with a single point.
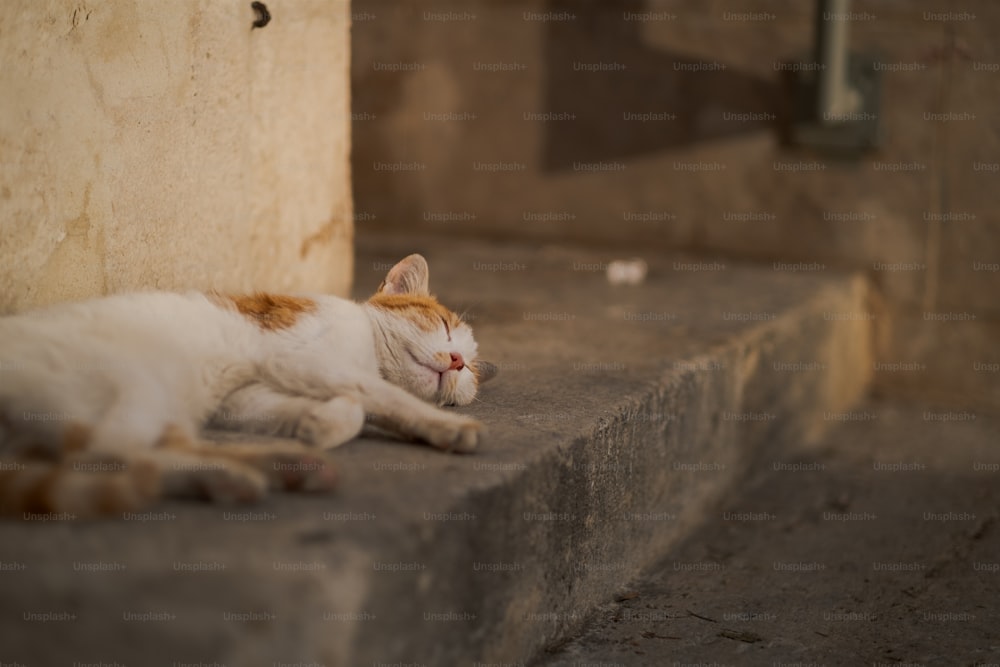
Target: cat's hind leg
<point x="55" y="470"/>
<point x="86" y="483"/>
<point x="241" y="471"/>
<point x="286" y="466"/>
<point x="185" y="471"/>
<point x="77" y="488"/>
<point x="142" y="427"/>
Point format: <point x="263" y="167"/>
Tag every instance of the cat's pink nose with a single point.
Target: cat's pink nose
<point x="457" y="362"/>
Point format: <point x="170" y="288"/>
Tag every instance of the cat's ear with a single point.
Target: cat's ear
<point x="485" y="370"/>
<point x="409" y="276"/>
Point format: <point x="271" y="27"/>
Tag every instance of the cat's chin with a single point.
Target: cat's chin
<point x="425" y="382"/>
<point x="442" y="387"/>
<point x="447" y="388"/>
<point x="456" y="389"/>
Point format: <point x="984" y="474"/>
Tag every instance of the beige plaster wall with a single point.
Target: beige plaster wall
<point x="171" y="145"/>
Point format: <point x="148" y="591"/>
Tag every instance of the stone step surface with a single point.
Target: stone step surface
<point x="620" y="414"/>
<point x="879" y="546"/>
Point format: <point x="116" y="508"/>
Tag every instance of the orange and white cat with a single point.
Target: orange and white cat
<point x="102" y="401"/>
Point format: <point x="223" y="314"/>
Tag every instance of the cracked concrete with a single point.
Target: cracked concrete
<point x="878" y="547"/>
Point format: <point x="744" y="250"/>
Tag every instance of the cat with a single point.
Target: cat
<point x="102" y="401"/>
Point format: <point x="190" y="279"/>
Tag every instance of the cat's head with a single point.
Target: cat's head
<point x="429" y="350"/>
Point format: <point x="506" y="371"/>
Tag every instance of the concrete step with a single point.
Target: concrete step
<point x="880" y="547"/>
<point x="620" y="414"/>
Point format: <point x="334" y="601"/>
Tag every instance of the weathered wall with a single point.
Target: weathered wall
<point x="169" y="145"/>
<point x="655" y="124"/>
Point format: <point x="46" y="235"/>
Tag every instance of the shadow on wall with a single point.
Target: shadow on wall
<point x="585" y="59"/>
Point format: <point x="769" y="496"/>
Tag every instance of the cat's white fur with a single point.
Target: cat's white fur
<point x="127" y="367"/>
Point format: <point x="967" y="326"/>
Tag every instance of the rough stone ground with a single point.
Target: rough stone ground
<point x="881" y="548"/>
<point x="608" y="402"/>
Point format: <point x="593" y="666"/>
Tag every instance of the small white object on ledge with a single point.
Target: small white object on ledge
<point x="627" y="271"/>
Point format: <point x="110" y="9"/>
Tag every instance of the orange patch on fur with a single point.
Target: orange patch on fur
<point x="76" y="437"/>
<point x="174" y="437"/>
<point x="112" y="494"/>
<point x="272" y="311"/>
<point x="424" y="311"/>
<point x="38" y="496"/>
<point x="124" y="491"/>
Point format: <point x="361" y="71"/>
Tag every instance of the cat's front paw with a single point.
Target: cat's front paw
<point x="458" y="434"/>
